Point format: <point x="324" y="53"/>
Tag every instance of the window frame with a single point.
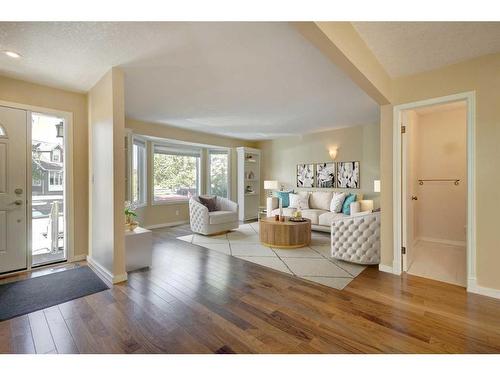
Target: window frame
<point x="60" y="177"/>
<point x="142" y="173"/>
<point x="227" y="152"/>
<point x="174" y="149"/>
<point x="56" y="151"/>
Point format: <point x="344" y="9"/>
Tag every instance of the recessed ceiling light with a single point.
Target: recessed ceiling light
<point x="12" y="54"/>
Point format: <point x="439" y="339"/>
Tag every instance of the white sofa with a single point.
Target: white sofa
<point x="319" y="209"/>
<point x="223" y="219"/>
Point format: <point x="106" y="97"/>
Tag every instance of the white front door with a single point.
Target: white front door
<point x="13" y="138"/>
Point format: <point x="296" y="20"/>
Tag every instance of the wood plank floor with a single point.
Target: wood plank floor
<point x="199" y="301"/>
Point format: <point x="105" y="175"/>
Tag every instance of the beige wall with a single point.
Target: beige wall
<point x="359" y="143"/>
<point x="27" y="93"/>
<point x="441" y="152"/>
<point x="481" y="75"/>
<point x="107" y="196"/>
<point x="340" y="42"/>
<point x="152" y="215"/>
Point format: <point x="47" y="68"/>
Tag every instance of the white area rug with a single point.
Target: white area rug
<point x="311" y="263"/>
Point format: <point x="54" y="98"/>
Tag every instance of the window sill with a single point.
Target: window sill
<point x="170" y="203"/>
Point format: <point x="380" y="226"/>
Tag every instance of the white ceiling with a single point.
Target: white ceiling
<point x="405" y="48"/>
<point x="246" y="80"/>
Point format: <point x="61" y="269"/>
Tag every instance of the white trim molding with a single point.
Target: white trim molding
<point x="473" y="287"/>
<point x="163" y="225"/>
<point x="69" y="197"/>
<point x="104" y="273"/>
<point x="384" y="268"/>
<point x="441" y="241"/>
<point x="470" y="99"/>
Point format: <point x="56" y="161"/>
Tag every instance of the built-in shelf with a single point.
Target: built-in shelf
<point x="248" y="202"/>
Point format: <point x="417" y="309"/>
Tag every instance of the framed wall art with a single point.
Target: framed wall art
<point x="348" y="175"/>
<point x="305" y="175"/>
<point x="325" y="175"/>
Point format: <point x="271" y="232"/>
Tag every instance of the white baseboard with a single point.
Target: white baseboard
<point x="472" y="287"/>
<point x="163" y="225"/>
<point x="439" y="240"/>
<point x="394" y="269"/>
<point x="104" y="273"/>
<point x="384" y="268"/>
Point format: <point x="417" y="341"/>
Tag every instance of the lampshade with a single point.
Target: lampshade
<point x="271" y="185"/>
<point x="376" y="186"/>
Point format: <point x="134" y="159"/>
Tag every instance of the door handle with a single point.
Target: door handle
<point x="18" y="202"/>
<point x="414" y="198"/>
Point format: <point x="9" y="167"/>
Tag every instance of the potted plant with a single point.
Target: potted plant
<point x="130" y="215"/>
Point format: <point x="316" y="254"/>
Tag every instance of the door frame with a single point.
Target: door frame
<point x="68" y="179"/>
<point x="399" y="184"/>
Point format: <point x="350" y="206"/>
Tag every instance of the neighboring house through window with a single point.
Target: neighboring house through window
<point x="56" y="155"/>
<point x="36" y="181"/>
<point x="56" y="181"/>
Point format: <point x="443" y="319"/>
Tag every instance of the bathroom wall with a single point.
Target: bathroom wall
<point x="441" y="153"/>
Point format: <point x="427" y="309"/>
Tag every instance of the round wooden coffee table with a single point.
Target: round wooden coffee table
<point x="284" y="235"/>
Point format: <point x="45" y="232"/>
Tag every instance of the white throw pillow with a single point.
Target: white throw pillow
<point x="337" y="202"/>
<point x="299" y="201"/>
<point x="320" y="200"/>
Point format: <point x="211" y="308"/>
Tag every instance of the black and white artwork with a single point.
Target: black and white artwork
<point x="325" y="175"/>
<point x="348" y="175"/>
<point x="305" y="175"/>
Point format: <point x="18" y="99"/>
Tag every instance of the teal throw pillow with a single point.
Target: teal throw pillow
<point x="346" y="207"/>
<point x="284" y="196"/>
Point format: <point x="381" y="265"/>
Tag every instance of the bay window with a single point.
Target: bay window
<point x="218" y="172"/>
<point x="176" y="173"/>
<point x="139" y="176"/>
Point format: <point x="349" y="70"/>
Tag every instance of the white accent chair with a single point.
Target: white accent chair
<point x="202" y="221"/>
<point x="356" y="238"/>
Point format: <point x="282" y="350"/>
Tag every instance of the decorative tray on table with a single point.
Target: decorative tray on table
<point x="297" y="219"/>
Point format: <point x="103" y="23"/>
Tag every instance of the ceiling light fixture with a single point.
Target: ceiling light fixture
<point x="12" y="54"/>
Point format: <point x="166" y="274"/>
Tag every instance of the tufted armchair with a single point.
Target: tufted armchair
<point x="223" y="219"/>
<point x="356" y="238"/>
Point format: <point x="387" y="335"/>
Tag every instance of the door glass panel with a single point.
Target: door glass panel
<point x="47" y="190"/>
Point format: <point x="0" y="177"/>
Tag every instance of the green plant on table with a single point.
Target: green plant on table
<point x="130" y="213"/>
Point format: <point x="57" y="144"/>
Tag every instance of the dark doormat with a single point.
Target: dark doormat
<point x="25" y="296"/>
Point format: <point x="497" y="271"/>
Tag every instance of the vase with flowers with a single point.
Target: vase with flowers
<point x="130" y="216"/>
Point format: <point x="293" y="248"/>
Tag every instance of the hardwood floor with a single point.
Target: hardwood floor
<point x="200" y="301"/>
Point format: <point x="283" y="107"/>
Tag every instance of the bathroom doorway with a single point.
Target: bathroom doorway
<point x="430" y="190"/>
<point x="435" y="198"/>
